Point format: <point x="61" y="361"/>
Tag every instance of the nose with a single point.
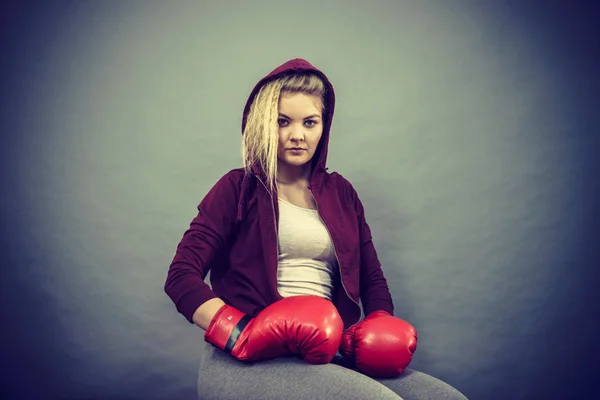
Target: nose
<point x="296" y="134"/>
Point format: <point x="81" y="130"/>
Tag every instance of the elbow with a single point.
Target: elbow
<point x="168" y="286"/>
<point x="173" y="276"/>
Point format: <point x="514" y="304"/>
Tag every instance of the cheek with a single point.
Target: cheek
<point x="315" y="140"/>
<point x="280" y="141"/>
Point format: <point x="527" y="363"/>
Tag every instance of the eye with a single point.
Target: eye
<point x="281" y="121"/>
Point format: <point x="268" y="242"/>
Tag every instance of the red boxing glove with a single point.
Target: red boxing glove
<point x="306" y="325"/>
<point x="381" y="344"/>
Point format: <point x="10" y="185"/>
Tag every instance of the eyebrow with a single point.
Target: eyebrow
<point x="310" y="116"/>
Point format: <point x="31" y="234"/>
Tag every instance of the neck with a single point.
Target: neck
<point x="289" y="175"/>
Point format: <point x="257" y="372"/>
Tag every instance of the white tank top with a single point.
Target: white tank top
<point x="307" y="263"/>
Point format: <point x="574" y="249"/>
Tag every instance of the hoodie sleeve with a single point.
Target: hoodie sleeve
<point x="374" y="291"/>
<point x="209" y="232"/>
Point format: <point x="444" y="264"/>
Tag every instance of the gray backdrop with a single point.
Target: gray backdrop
<point x="469" y="128"/>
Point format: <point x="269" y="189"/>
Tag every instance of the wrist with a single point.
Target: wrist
<point x="378" y="313"/>
<point x="225" y="327"/>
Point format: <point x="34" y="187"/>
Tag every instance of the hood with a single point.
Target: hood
<point x="298" y="64"/>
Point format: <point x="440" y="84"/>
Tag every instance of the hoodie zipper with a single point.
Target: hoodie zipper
<point x="274" y="225"/>
<point x="329" y="231"/>
<point x="334" y="252"/>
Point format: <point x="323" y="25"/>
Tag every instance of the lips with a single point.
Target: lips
<point x="296" y="148"/>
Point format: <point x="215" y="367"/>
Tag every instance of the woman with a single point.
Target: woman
<point x="291" y="258"/>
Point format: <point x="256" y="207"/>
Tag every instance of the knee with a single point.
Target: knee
<point x="415" y="385"/>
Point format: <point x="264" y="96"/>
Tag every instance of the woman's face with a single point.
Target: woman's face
<point x="300" y="128"/>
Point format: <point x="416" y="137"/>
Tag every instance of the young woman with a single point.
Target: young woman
<point x="291" y="259"/>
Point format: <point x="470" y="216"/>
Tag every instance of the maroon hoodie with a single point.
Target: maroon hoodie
<point x="234" y="236"/>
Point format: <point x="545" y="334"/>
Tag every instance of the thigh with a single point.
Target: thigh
<point x="221" y="377"/>
<point x="414" y="385"/>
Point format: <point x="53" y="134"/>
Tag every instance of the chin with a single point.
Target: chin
<point x="296" y="162"/>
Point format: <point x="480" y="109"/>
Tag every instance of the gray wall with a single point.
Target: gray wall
<point x="469" y="129"/>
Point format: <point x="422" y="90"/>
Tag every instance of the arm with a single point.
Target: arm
<point x="382" y="345"/>
<point x="207" y="235"/>
<point x="307" y="325"/>
<point x="374" y="290"/>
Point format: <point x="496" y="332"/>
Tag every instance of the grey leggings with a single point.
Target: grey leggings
<point x="221" y="377"/>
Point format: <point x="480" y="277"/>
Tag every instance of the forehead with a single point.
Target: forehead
<point x="299" y="102"/>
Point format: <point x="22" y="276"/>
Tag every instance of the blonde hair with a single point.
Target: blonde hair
<point x="261" y="133"/>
